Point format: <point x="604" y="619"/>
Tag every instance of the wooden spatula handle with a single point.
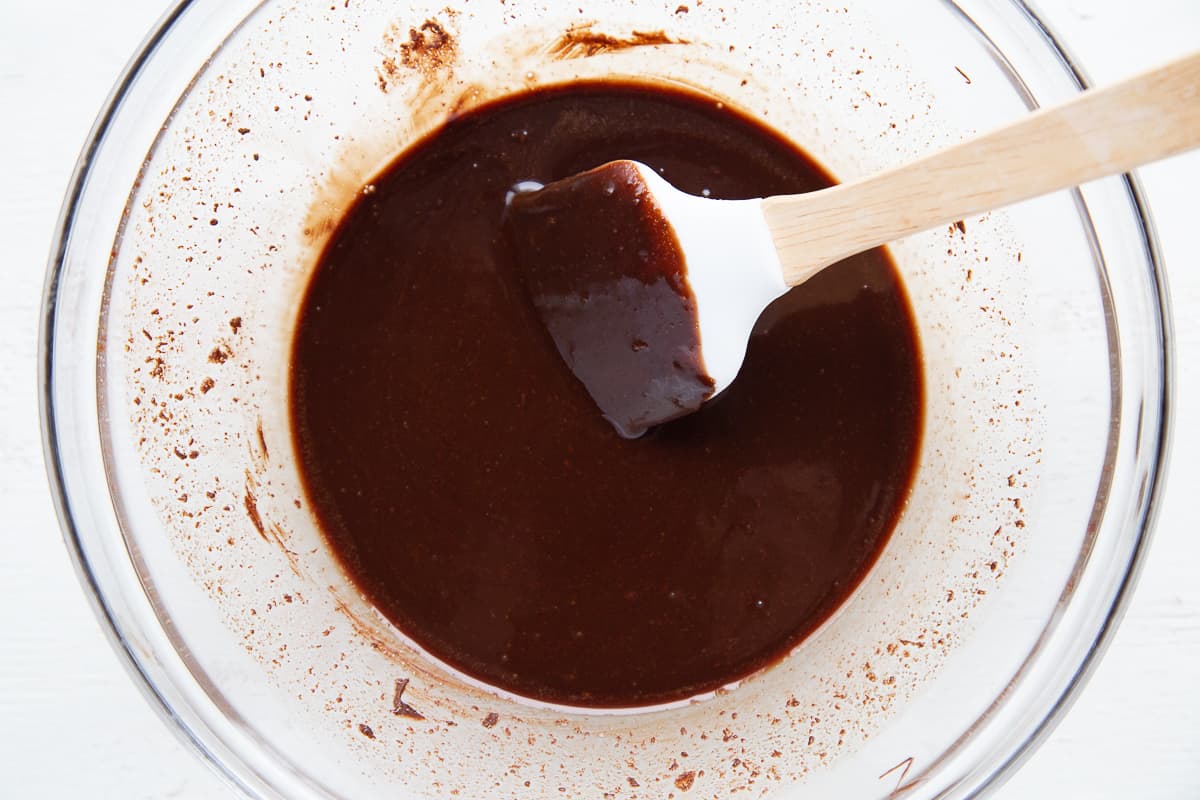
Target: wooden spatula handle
<point x="1101" y="132"/>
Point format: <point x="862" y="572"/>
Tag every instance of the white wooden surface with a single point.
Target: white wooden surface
<point x="71" y="723"/>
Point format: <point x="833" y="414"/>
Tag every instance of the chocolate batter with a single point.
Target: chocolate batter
<point x="606" y="272"/>
<point x="471" y="489"/>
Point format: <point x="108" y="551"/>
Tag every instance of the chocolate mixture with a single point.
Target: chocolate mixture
<point x="473" y="492"/>
<point x="604" y="268"/>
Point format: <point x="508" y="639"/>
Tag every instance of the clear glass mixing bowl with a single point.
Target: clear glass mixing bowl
<point x="239" y="133"/>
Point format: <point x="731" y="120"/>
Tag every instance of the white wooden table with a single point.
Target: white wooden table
<point x="73" y="725"/>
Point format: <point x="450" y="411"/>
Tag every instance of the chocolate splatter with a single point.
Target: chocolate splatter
<point x="262" y="442"/>
<point x="580" y="41"/>
<point x="401" y="708"/>
<point x="427" y="49"/>
<point x="684" y="782"/>
<point x="251" y="504"/>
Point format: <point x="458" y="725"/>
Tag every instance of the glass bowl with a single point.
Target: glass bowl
<point x="232" y="143"/>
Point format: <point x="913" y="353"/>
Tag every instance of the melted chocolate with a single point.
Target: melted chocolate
<point x="606" y="272"/>
<point x="472" y="491"/>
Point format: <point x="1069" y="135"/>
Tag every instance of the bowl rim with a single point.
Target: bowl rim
<point x="182" y="723"/>
<point x="1149" y="506"/>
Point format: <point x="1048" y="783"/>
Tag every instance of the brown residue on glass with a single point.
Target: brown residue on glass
<point x="401" y="708"/>
<point x="583" y="41"/>
<point x="250" y="502"/>
<point x="429" y="48"/>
